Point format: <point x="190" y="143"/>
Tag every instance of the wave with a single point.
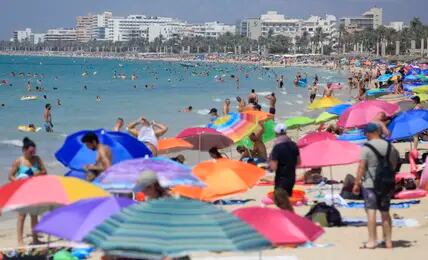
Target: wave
<point x="203" y="111"/>
<point x="265" y="93"/>
<point x="288" y="103"/>
<point x="219" y="100"/>
<point x="13" y="142"/>
<point x="299" y="102"/>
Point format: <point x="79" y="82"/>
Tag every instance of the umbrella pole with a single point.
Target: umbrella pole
<point x="332" y="191"/>
<point x="260" y="255"/>
<point x="199" y="151"/>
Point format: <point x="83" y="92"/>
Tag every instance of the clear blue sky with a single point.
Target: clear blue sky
<point x="43" y="14"/>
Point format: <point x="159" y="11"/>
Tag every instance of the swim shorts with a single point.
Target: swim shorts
<point x="272" y="111"/>
<point x="375" y="201"/>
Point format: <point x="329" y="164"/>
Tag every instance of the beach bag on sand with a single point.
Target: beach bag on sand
<point x="384" y="180"/>
<point x="325" y="215"/>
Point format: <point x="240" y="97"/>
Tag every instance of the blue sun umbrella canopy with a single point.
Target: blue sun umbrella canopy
<point x="339" y="109"/>
<point x="75" y="155"/>
<point x="173" y="227"/>
<point x="384" y="77"/>
<point x="408" y="124"/>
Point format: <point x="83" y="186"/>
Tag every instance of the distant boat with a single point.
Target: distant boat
<point x="188" y="65"/>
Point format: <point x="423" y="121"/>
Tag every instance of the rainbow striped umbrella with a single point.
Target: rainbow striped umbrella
<point x="236" y="126"/>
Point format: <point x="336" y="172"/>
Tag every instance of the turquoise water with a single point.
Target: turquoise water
<point x="174" y="87"/>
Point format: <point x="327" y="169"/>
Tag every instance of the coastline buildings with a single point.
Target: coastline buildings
<point x="211" y="29"/>
<point x="92" y="27"/>
<point x="373" y="18"/>
<point x="28" y="36"/>
<point x="61" y="34"/>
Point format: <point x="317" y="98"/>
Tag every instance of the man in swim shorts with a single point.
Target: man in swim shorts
<point x="47" y="116"/>
<point x="272" y="103"/>
<point x="104" y="157"/>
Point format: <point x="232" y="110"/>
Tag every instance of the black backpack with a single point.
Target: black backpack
<point x="333" y="216"/>
<point x="384" y="181"/>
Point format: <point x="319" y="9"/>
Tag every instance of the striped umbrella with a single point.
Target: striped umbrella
<point x="236" y="126"/>
<point x="173" y="227"/>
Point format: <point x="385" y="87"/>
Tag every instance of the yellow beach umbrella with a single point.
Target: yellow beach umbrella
<point x="325" y="102"/>
<point x="421" y="90"/>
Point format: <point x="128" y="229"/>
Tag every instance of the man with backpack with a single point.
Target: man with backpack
<point x="376" y="176"/>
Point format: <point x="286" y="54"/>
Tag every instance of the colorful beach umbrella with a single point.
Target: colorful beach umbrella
<point x="421" y="89"/>
<point x="384" y="77"/>
<point x="80" y="217"/>
<point x="203" y="138"/>
<point x="339" y="109"/>
<point x="222" y="177"/>
<point x="260" y="115"/>
<point x="236" y="126"/>
<point x="173" y="145"/>
<point x="123" y="177"/>
<point x="173" y="227"/>
<point x="299" y="121"/>
<point x="41" y="193"/>
<point x="363" y="113"/>
<point x="325" y="102"/>
<point x="314" y="137"/>
<point x="268" y="134"/>
<point x="408" y="124"/>
<point x="324" y="117"/>
<point x="333" y="153"/>
<point x="281" y="227"/>
<point x="75" y="155"/>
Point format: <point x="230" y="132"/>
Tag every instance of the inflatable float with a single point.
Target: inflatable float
<point x="297" y="199"/>
<point x="410" y="194"/>
<point x="27" y="128"/>
<point x="26" y="98"/>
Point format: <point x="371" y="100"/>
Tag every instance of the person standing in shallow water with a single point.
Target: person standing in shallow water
<point x="47" y="116"/>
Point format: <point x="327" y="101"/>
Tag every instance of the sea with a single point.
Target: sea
<point x="159" y="91"/>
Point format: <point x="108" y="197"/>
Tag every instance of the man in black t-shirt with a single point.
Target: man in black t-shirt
<point x="284" y="159"/>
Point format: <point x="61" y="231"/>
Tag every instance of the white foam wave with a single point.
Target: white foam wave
<point x="203" y="111"/>
<point x="14" y="142"/>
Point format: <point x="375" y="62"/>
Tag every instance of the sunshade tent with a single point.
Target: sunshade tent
<point x="222" y="177"/>
<point x="236" y="126"/>
<point x="268" y="134"/>
<point x="173" y="145"/>
<point x="325" y="117"/>
<point x="75" y="155"/>
<point x="421" y="90"/>
<point x="339" y="109"/>
<point x="325" y="102"/>
<point x="408" y="124"/>
<point x="281" y="227"/>
<point x="173" y="227"/>
<point x="314" y="137"/>
<point x="41" y="193"/>
<point x="297" y="122"/>
<point x="123" y="177"/>
<point x="364" y="112"/>
<point x="76" y="220"/>
<point x="260" y="115"/>
<point x="203" y="138"/>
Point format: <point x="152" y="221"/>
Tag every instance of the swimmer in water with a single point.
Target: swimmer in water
<point x="272" y="103"/>
<point x="252" y="98"/>
<point x="226" y="106"/>
<point x="213" y="113"/>
<point x="85" y="87"/>
<point x="328" y="91"/>
<point x="58" y="102"/>
<point x="98" y="98"/>
<point x="186" y="110"/>
<point x="313" y="92"/>
<point x="29" y="87"/>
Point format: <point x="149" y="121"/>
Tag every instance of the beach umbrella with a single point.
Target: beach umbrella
<point x="41" y="193"/>
<point x="363" y="113"/>
<point x="173" y="227"/>
<point x="314" y="137"/>
<point x="236" y="126"/>
<point x="325" y="102"/>
<point x="260" y="115"/>
<point x="408" y="124"/>
<point x="173" y="145"/>
<point x="281" y="227"/>
<point x="75" y="155"/>
<point x="298" y="121"/>
<point x="76" y="220"/>
<point x="393" y="98"/>
<point x="203" y="138"/>
<point x="324" y="117"/>
<point x="384" y="77"/>
<point x="268" y="135"/>
<point x="222" y="177"/>
<point x="421" y="89"/>
<point x="339" y="109"/>
<point x="123" y="177"/>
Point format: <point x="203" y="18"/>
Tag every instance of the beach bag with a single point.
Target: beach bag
<point x="384" y="180"/>
<point x="325" y="215"/>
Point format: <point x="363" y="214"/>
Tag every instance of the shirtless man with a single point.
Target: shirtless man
<point x="104" y="157"/>
<point x="272" y="103"/>
<point x="382" y="120"/>
<point x="241" y="104"/>
<point x="252" y="98"/>
<point x="47" y="116"/>
<point x="226" y="106"/>
<point x="118" y="125"/>
<point x="313" y="92"/>
<point x="259" y="149"/>
<point x="328" y="91"/>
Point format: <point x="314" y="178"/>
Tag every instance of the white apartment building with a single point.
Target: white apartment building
<point x="212" y="29"/>
<point x="37" y="38"/>
<point x="373" y="18"/>
<point x="397" y="26"/>
<point x="250" y="28"/>
<point x="29" y="36"/>
<point x="61" y="34"/>
<point x="92" y="27"/>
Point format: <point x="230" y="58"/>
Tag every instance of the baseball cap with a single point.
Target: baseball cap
<point x="371" y="128"/>
<point x="280" y="128"/>
<point x="146" y="179"/>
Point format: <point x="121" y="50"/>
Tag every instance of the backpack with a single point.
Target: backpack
<point x="384" y="180"/>
<point x="325" y="215"/>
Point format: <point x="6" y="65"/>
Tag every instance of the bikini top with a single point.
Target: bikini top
<point x="24" y="171"/>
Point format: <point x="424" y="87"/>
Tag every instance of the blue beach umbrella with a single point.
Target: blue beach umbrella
<point x="408" y="124"/>
<point x="75" y="155"/>
<point x="339" y="109"/>
<point x="173" y="227"/>
<point x="384" y="77"/>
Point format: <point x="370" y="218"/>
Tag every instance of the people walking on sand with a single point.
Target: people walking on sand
<point x="104" y="157"/>
<point x="285" y="157"/>
<point x="378" y="158"/>
<point x="47" y="116"/>
<point x="27" y="166"/>
<point x="149" y="133"/>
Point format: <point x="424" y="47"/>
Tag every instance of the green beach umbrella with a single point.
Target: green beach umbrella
<point x="268" y="135"/>
<point x="324" y="117"/>
<point x="299" y="121"/>
<point x="421" y="90"/>
<point x="173" y="227"/>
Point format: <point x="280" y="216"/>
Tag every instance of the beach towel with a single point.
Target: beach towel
<point x="394" y="205"/>
<point x="232" y="202"/>
<point x="362" y="222"/>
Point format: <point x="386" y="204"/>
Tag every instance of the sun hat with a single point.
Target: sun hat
<point x="280" y="128"/>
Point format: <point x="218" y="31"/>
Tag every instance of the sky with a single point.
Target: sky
<point x="41" y="15"/>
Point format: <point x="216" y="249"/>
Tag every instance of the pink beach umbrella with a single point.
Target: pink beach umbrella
<point x="363" y="113"/>
<point x="314" y="137"/>
<point x="203" y="138"/>
<point x="280" y="227"/>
